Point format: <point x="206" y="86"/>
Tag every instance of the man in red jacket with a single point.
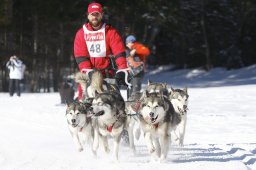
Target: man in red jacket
<point x="95" y="42"/>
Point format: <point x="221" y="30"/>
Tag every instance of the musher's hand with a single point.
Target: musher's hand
<point x="133" y="52"/>
<point x="133" y="63"/>
<point x="122" y="77"/>
<point x="88" y="72"/>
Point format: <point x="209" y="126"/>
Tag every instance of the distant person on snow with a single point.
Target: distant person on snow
<point x="95" y="42"/>
<point x="66" y="92"/>
<point x="136" y="57"/>
<point x="16" y="74"/>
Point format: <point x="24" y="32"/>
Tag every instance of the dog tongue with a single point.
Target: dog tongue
<point x="110" y="128"/>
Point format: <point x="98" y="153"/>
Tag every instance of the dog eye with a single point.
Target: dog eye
<point x="179" y="100"/>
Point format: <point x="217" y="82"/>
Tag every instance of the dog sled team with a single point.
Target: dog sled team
<point x="158" y="112"/>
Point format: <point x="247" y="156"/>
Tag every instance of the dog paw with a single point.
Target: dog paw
<point x="181" y="145"/>
<point x="152" y="149"/>
<point x="107" y="150"/>
<point x="162" y="158"/>
<point x="80" y="149"/>
<point x="94" y="153"/>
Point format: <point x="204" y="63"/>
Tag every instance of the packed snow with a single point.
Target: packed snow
<point x="220" y="133"/>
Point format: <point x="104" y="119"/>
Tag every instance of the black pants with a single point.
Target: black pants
<point x="14" y="86"/>
<point x="66" y="95"/>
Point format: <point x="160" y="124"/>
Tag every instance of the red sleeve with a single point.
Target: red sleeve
<point x="117" y="48"/>
<point x="142" y="50"/>
<point x="80" y="51"/>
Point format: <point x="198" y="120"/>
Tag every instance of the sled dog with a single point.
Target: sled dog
<point x="108" y="109"/>
<point x="93" y="84"/>
<point x="179" y="100"/>
<point x="157" y="118"/>
<point x="78" y="123"/>
<point x="133" y="103"/>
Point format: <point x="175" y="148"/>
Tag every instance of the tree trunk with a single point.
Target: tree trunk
<point x="206" y="40"/>
<point x="35" y="76"/>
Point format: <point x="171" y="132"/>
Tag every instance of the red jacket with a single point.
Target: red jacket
<point x="114" y="46"/>
<point x="141" y="51"/>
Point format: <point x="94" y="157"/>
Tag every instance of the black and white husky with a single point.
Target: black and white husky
<point x="95" y="83"/>
<point x="108" y="110"/>
<point x="179" y="100"/>
<point x="133" y="104"/>
<point x="157" y="119"/>
<point x="78" y="123"/>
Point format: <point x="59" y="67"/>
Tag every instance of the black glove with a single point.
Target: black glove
<point x="121" y="76"/>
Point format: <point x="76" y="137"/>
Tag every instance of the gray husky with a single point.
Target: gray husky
<point x="93" y="84"/>
<point x="108" y="110"/>
<point x="157" y="119"/>
<point x="78" y="123"/>
<point x="133" y="103"/>
<point x="179" y="100"/>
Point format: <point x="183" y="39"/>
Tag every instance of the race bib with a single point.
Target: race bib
<point x="95" y="42"/>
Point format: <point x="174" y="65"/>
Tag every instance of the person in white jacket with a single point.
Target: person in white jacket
<point x="16" y="68"/>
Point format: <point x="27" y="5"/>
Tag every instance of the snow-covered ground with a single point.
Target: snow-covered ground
<point x="221" y="130"/>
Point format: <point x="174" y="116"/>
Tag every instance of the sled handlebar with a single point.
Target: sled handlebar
<point x="125" y="71"/>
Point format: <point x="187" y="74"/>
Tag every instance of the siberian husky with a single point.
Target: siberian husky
<point x="93" y="84"/>
<point x="179" y="100"/>
<point x="133" y="103"/>
<point x="78" y="123"/>
<point x="157" y="119"/>
<point x="108" y="110"/>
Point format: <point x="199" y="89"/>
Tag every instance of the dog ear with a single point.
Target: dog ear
<point x="185" y="90"/>
<point x="149" y="82"/>
<point x="146" y="93"/>
<point x="172" y="89"/>
<point x="170" y="94"/>
<point x="165" y="85"/>
<point x="89" y="100"/>
<point x="83" y="107"/>
<point x="161" y="93"/>
<point x="68" y="103"/>
<point x="167" y="104"/>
